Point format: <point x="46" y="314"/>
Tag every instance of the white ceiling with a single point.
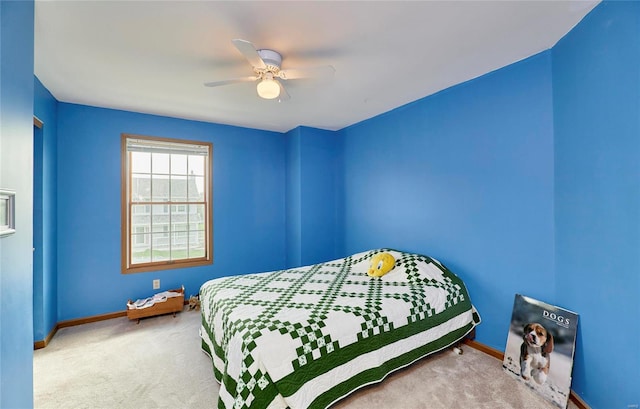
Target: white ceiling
<point x="154" y="56"/>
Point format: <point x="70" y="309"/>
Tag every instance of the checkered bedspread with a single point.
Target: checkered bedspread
<point x="308" y="336"/>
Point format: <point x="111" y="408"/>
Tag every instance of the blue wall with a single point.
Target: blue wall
<point x="314" y="196"/>
<point x="16" y="173"/>
<point x="465" y="176"/>
<point x="293" y="198"/>
<point x="596" y="87"/>
<point x="44" y="214"/>
<point x="248" y="206"/>
<point x="321" y="194"/>
<point x="524" y="181"/>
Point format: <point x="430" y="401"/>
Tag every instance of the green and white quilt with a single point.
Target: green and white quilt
<point x="309" y="336"/>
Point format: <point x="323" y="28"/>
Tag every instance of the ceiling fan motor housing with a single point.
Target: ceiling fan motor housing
<point x="272" y="59"/>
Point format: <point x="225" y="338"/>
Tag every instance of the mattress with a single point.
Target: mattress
<point x="306" y="337"/>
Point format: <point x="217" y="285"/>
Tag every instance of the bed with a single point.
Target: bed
<point x="309" y="336"/>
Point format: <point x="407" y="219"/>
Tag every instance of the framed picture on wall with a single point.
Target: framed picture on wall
<point x="7" y="212"/>
<point x="540" y="348"/>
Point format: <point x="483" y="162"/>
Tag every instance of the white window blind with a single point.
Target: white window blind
<point x="154" y="146"/>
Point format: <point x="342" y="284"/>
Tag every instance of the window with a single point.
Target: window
<point x="166" y="203"/>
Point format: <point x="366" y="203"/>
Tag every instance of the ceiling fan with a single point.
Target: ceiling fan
<point x="267" y="69"/>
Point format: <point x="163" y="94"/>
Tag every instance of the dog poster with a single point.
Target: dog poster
<point x="540" y="348"/>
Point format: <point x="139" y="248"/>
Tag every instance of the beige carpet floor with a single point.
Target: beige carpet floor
<point x="158" y="364"/>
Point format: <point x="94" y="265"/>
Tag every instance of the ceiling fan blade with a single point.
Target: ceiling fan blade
<point x="250" y="53"/>
<point x="322" y="72"/>
<point x="284" y="95"/>
<point x="231" y="81"/>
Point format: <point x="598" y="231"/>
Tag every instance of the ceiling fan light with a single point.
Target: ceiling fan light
<point x="268" y="89"/>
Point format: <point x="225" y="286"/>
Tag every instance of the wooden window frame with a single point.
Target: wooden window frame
<point x="126" y="204"/>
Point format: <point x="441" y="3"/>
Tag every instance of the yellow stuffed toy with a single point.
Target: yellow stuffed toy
<point x="381" y="264"/>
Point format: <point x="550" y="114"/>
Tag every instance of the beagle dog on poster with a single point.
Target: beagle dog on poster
<point x="540" y="348"/>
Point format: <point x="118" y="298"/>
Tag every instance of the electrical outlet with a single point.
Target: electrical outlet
<point x="156" y="284"/>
